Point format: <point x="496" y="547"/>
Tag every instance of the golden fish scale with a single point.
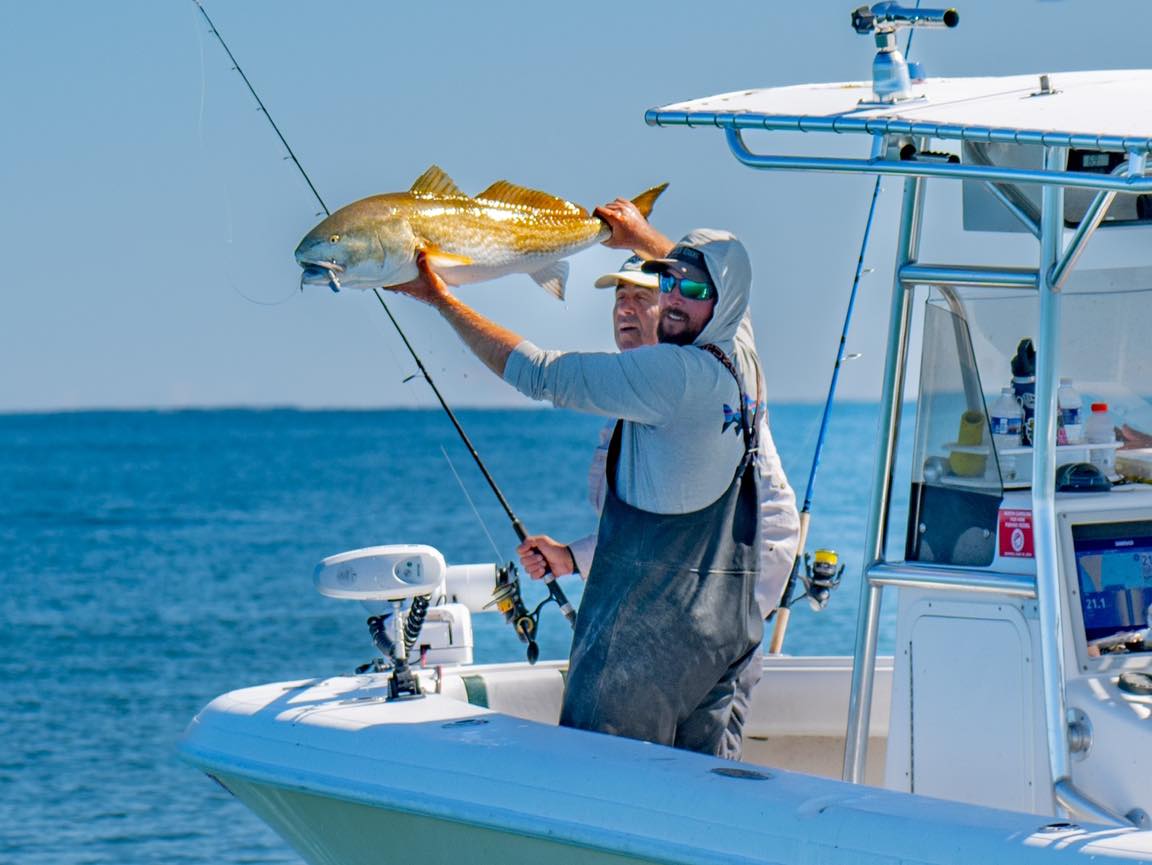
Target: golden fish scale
<point x="496" y="232"/>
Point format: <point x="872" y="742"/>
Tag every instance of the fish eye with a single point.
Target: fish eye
<point x="335" y="238"/>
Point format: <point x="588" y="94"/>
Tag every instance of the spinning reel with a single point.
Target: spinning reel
<point x="507" y="599"/>
<point x="822" y="573"/>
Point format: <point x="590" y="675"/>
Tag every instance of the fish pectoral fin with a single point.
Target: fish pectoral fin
<point x="435" y="182"/>
<point x="552" y="278"/>
<point x="503" y="192"/>
<point x="646" y="199"/>
<point x="438" y="258"/>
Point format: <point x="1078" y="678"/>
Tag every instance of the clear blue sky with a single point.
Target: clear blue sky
<point x="150" y="218"/>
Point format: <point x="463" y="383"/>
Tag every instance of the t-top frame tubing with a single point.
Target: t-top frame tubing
<point x="954" y="171"/>
<point x="891" y="403"/>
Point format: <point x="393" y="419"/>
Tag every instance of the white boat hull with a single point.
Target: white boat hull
<point x="348" y="778"/>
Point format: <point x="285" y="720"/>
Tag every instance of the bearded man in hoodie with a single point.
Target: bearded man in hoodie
<point x="668" y="630"/>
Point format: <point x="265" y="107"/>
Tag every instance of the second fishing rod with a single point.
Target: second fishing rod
<point x="824" y="576"/>
<point x="506" y="593"/>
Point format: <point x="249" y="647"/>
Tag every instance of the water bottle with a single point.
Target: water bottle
<point x="1069" y="427"/>
<point x="1100" y="429"/>
<point x="1024" y="386"/>
<point x="1007" y="421"/>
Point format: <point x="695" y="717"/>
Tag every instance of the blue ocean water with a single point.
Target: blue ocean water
<point x="152" y="560"/>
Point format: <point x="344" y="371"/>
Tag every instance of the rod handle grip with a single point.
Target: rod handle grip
<point x="777" y="641"/>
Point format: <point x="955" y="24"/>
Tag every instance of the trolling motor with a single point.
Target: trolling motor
<point x="891" y="81"/>
<point x="421" y="608"/>
<point x="403" y="577"/>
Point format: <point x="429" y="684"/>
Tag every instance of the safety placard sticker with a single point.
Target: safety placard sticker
<point x="1016" y="534"/>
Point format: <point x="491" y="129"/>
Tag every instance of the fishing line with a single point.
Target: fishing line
<point x="286" y="299"/>
<point x="472" y="504"/>
<point x="236" y="65"/>
<point x="203" y="82"/>
<point x="228" y="220"/>
<point x="229" y="217"/>
<point x="555" y="593"/>
<point x="783" y="612"/>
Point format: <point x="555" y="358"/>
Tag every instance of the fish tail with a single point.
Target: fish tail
<point x="646" y="199"/>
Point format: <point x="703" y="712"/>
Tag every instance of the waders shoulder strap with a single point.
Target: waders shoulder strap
<point x="747" y="423"/>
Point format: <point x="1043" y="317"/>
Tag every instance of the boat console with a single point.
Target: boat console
<point x="1032" y="262"/>
<point x="974" y="625"/>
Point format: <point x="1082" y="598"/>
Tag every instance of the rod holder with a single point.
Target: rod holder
<point x="890" y="79"/>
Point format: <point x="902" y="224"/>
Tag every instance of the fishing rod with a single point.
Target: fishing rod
<point x="506" y="593"/>
<point x="826" y="577"/>
<point x="784" y="612"/>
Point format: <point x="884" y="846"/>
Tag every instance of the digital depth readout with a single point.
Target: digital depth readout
<point x="1114" y="568"/>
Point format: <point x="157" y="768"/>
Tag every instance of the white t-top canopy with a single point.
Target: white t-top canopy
<point x="1108" y="110"/>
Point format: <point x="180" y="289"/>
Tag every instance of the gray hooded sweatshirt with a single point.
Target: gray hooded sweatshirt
<point x="681" y="439"/>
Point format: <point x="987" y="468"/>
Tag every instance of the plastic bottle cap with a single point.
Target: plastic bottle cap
<point x="827" y="557"/>
<point x="1065" y="380"/>
<point x="1099" y="406"/>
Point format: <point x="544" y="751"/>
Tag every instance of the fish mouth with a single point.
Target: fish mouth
<point x="320" y="273"/>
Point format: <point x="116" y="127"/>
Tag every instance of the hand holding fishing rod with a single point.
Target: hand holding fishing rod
<point x="492" y="344"/>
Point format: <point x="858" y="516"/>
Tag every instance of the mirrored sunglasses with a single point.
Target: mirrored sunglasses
<point x="690" y="289"/>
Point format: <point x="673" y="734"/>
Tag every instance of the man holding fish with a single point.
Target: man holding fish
<point x="635" y="315"/>
<point x="668" y="628"/>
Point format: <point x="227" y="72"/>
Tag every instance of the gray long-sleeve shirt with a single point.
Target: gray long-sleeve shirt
<point x="681" y="448"/>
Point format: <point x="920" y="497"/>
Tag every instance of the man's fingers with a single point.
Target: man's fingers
<point x="531" y="559"/>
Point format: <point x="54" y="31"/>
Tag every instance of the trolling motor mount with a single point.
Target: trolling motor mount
<point x="891" y="81"/>
<point x="402" y="682"/>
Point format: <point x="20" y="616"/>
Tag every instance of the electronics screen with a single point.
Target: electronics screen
<point x="1114" y="568"/>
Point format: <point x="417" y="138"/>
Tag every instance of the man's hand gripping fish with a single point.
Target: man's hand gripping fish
<point x="505" y="229"/>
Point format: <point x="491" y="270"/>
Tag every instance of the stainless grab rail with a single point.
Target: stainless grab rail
<point x="841" y="124"/>
<point x="969" y="277"/>
<point x="955" y="171"/>
<point x="976" y="580"/>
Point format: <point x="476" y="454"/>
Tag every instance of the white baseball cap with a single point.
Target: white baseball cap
<point x="631" y="273"/>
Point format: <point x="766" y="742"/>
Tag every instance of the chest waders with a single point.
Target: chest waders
<point x="667" y="638"/>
